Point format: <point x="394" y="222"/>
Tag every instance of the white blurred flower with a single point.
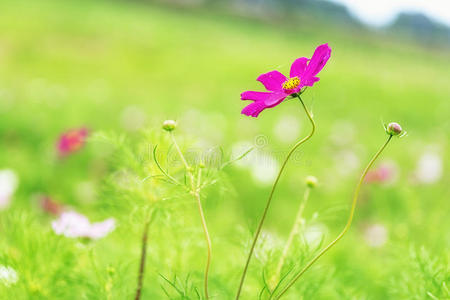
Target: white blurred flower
<point x="376" y="235"/>
<point x="101" y="229"/>
<point x="264" y="168"/>
<point x="267" y="243"/>
<point x="74" y="225"/>
<point x="315" y="234"/>
<point x="8" y="185"/>
<point x="287" y="129"/>
<point x="346" y="162"/>
<point x="8" y="276"/>
<point x="71" y="224"/>
<point x="133" y="118"/>
<point x="429" y="168"/>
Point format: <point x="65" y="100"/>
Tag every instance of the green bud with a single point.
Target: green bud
<point x="169" y="125"/>
<point x="111" y="271"/>
<point x="311" y="181"/>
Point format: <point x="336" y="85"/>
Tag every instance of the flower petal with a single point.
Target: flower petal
<point x="272" y="81"/>
<point x="254" y="109"/>
<point x="298" y="67"/>
<point x="255" y="96"/>
<point x="316" y="64"/>
<point x="275" y="98"/>
<point x="262" y="100"/>
<point x="309" y="81"/>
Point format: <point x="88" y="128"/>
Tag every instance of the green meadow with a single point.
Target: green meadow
<point x="121" y="68"/>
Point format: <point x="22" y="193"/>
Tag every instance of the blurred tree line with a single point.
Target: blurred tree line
<point x="415" y="26"/>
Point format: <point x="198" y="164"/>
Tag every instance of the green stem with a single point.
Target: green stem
<point x="261" y="222"/>
<point x="347" y="226"/>
<point x="208" y="242"/>
<point x="142" y="262"/>
<point x="294" y="231"/>
<point x="185" y="163"/>
<point x="195" y="191"/>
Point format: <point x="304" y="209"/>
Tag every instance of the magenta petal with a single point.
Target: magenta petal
<point x="255" y="96"/>
<point x="274" y="99"/>
<point x="262" y="100"/>
<point x="298" y="67"/>
<point x="272" y="81"/>
<point x="317" y="62"/>
<point x="254" y="109"/>
<point x="309" y="81"/>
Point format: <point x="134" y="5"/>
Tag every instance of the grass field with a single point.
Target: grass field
<point x="121" y="69"/>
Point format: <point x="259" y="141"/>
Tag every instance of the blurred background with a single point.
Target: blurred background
<point x="123" y="67"/>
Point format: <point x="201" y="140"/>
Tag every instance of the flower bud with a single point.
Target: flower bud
<point x="111" y="271"/>
<point x="393" y="129"/>
<point x="311" y="181"/>
<point x="169" y="125"/>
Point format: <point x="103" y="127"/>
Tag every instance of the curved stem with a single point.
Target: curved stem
<point x="208" y="242"/>
<point x="347" y="226"/>
<point x="195" y="191"/>
<point x="186" y="165"/>
<point x="261" y="222"/>
<point x="165" y="173"/>
<point x="292" y="234"/>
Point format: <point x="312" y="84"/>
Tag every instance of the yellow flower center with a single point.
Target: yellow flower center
<point x="291" y="83"/>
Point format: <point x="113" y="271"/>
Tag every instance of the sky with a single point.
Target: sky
<point x="382" y="12"/>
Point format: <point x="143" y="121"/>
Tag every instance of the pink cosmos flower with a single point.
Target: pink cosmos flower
<point x="303" y="73"/>
<point x="383" y="174"/>
<point x="51" y="206"/>
<point x="72" y="141"/>
<point x="74" y="225"/>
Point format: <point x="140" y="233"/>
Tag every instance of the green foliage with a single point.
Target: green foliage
<point x="422" y="277"/>
<point x="120" y="68"/>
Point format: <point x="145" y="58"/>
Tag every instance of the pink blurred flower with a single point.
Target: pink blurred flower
<point x="74" y="225"/>
<point x="383" y="174"/>
<point x="72" y="141"/>
<point x="303" y="73"/>
<point x="50" y="206"/>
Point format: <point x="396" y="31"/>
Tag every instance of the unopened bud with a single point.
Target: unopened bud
<point x="394" y="129"/>
<point x="169" y="125"/>
<point x="311" y="181"/>
<point x="111" y="271"/>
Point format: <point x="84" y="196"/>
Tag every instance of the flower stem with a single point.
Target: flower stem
<point x="208" y="242"/>
<point x="294" y="231"/>
<point x="195" y="191"/>
<point x="143" y="258"/>
<point x="347" y="226"/>
<point x="261" y="222"/>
